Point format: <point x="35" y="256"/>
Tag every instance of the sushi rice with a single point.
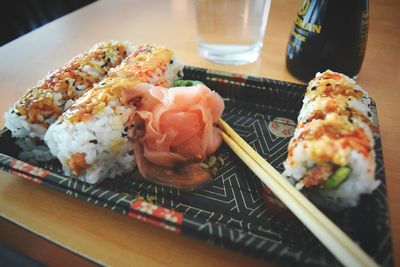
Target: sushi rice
<point x="334" y="133"/>
<point x="331" y="83"/>
<point x="41" y="105"/>
<point x="90" y="138"/>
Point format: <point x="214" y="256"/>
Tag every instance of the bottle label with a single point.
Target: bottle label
<point x="307" y="23"/>
<point x="328" y="34"/>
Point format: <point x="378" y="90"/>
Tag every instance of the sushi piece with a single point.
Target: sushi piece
<point x="174" y="133"/>
<point x="41" y="105"/>
<point x="90" y="138"/>
<point x="347" y="106"/>
<point x="331" y="156"/>
<point x="330" y="84"/>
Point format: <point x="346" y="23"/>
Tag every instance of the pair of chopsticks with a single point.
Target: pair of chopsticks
<point x="334" y="239"/>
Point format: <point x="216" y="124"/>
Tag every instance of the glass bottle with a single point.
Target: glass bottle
<point x="328" y="34"/>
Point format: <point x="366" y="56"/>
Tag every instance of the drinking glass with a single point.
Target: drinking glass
<point x="231" y="32"/>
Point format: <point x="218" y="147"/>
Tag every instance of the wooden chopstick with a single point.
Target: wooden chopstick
<point x="334" y="239"/>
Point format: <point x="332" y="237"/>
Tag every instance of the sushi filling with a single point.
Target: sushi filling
<point x="327" y="175"/>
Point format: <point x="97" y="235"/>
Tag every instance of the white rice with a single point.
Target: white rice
<point x="19" y="125"/>
<point x="21" y="128"/>
<point x="112" y="154"/>
<point x="347" y="82"/>
<point x="360" y="181"/>
<point x="362" y="177"/>
<point x="352" y="102"/>
<point x="101" y="139"/>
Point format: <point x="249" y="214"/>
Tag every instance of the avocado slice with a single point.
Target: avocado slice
<point x="340" y="175"/>
<point x="180" y="83"/>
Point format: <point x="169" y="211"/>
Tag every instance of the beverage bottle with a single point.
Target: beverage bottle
<point x="328" y="34"/>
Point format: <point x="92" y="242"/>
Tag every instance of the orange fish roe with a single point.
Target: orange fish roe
<point x="48" y="98"/>
<point x="147" y="64"/>
<point x="358" y="141"/>
<point x="326" y="88"/>
<point x="152" y="61"/>
<point x="77" y="163"/>
<point x="338" y="106"/>
<point x="326" y="138"/>
<point x="331" y="155"/>
<point x="333" y="84"/>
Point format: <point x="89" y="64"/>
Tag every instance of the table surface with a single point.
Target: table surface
<point x="111" y="238"/>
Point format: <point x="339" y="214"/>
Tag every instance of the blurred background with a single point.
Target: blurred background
<point x="22" y="16"/>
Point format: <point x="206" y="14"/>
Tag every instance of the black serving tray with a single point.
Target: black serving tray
<point x="231" y="212"/>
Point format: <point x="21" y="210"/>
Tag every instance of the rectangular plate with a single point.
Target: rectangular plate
<point x="230" y="212"/>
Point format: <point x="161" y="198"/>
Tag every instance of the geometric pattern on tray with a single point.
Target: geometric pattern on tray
<point x="230" y="212"/>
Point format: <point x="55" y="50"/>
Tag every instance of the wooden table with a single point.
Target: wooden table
<point x="110" y="238"/>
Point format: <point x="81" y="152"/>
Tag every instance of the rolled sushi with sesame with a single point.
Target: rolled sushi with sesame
<point x="331" y="156"/>
<point x="41" y="105"/>
<point x="331" y="84"/>
<point x="90" y="138"/>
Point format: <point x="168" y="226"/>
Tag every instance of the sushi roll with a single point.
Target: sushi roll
<point x="331" y="155"/>
<point x="41" y="105"/>
<point x="90" y="138"/>
<point x="347" y="106"/>
<point x="330" y="84"/>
